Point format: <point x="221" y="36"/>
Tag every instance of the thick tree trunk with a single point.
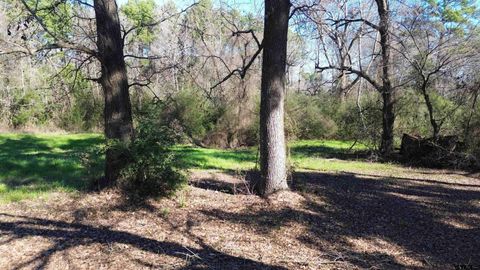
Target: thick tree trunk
<point x="272" y="135"/>
<point x="114" y="80"/>
<point x="388" y="118"/>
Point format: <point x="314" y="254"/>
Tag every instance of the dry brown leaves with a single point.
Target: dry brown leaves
<point x="329" y="221"/>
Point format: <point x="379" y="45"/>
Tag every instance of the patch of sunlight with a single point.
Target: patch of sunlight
<point x="383" y="248"/>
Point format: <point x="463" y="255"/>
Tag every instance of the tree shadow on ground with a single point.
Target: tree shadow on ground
<point x="475" y="184"/>
<point x="429" y="222"/>
<point x="69" y="235"/>
<point x="229" y="182"/>
<point x="437" y="225"/>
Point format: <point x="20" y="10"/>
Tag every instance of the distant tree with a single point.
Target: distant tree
<point x="437" y="46"/>
<point x="382" y="85"/>
<point x="388" y="114"/>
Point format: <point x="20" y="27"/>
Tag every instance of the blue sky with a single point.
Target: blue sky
<point x="254" y="6"/>
<point x="243" y="5"/>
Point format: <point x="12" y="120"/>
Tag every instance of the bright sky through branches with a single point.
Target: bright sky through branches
<point x="247" y="6"/>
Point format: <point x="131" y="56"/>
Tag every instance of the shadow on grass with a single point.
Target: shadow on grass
<point x="322" y="151"/>
<point x="200" y="158"/>
<point x="434" y="224"/>
<point x="34" y="164"/>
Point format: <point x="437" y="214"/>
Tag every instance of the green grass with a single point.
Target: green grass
<point x="320" y="155"/>
<point x="331" y="155"/>
<point x="216" y="159"/>
<point x="36" y="165"/>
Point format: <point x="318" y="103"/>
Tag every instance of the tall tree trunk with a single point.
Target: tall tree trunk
<point x="114" y="81"/>
<point x="433" y="122"/>
<point x="341" y="87"/>
<point x="388" y="115"/>
<point x="272" y="134"/>
<point x="388" y="120"/>
<point x="468" y="129"/>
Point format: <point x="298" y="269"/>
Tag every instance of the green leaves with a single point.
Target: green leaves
<point x="153" y="169"/>
<point x="55" y="16"/>
<point x="141" y="14"/>
<point x="452" y="14"/>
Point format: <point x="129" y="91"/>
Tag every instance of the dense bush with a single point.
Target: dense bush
<point x="412" y="115"/>
<point x="26" y="108"/>
<point x="152" y="169"/>
<point x="307" y="117"/>
<point x="84" y="114"/>
<point x="361" y="122"/>
<point x="190" y="113"/>
<point x="324" y="116"/>
<point x="209" y="122"/>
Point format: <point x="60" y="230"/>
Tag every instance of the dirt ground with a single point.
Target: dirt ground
<point x="392" y="220"/>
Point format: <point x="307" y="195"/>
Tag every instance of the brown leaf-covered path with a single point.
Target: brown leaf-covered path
<point x="380" y="220"/>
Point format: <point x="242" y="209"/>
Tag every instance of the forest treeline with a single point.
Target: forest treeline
<point x="367" y="71"/>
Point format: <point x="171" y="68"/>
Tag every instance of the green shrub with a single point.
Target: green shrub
<point x="84" y="114"/>
<point x="411" y="115"/>
<point x="308" y="117"/>
<point x="214" y="121"/>
<point x="27" y="109"/>
<point x="152" y="169"/>
<point x="189" y="112"/>
<point x="363" y="124"/>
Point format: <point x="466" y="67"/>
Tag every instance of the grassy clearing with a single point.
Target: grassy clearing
<point x="35" y="165"/>
<point x="319" y="155"/>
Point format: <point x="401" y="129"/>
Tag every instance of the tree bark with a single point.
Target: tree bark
<point x="388" y="114"/>
<point x="433" y="122"/>
<point x="272" y="134"/>
<point x="468" y="129"/>
<point x="114" y="81"/>
<point x="388" y="120"/>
